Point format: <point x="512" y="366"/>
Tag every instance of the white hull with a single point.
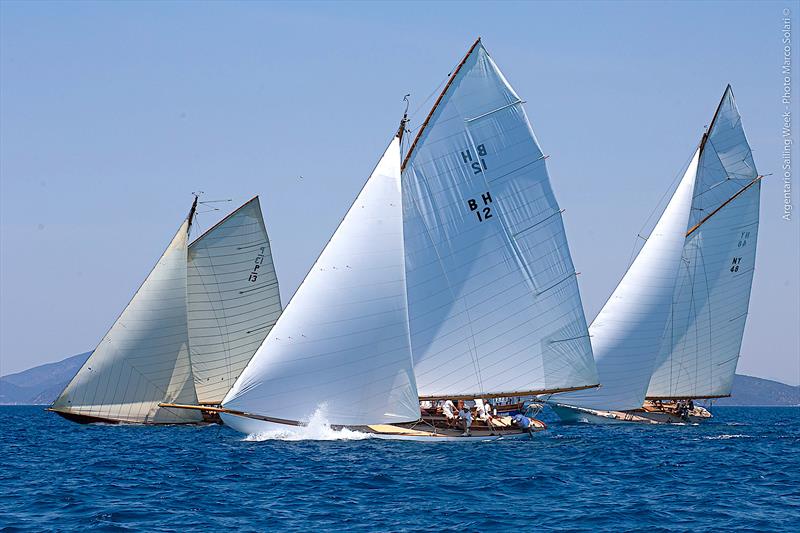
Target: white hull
<point x="252" y="426"/>
<point x="572" y="414"/>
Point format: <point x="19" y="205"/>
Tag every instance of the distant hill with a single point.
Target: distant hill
<point x="40" y="386"/>
<point x="749" y="390"/>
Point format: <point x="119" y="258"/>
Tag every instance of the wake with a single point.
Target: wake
<point x="317" y="428"/>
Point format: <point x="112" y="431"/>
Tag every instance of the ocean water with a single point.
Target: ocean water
<point x="740" y="471"/>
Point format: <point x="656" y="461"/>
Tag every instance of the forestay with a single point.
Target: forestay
<point x="233" y="299"/>
<point x="703" y="338"/>
<point x="144" y="358"/>
<point x="493" y="299"/>
<point x="341" y="345"/>
<point x="628" y="331"/>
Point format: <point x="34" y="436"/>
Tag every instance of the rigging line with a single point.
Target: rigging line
<point x="679" y="174"/>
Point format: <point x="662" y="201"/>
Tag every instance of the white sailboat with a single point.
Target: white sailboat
<point x="672" y="330"/>
<point x="449" y="277"/>
<point x="188" y="331"/>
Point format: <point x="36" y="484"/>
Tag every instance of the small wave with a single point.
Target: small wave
<point x="725" y="436"/>
<point x="316" y="428"/>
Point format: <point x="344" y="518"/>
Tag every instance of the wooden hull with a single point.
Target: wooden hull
<point x="84" y="419"/>
<point x="208" y="418"/>
<point x="423" y="430"/>
<point x="571" y="414"/>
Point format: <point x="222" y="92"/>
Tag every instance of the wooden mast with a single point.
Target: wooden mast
<point x="436" y="104"/>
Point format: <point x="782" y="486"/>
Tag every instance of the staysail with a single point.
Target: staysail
<point x="701" y="345"/>
<point x="628" y="331"/>
<point x="493" y="300"/>
<point x="143" y="360"/>
<point x="341" y="345"/>
<point x="233" y="299"/>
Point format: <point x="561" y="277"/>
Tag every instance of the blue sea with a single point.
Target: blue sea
<point x="740" y="471"/>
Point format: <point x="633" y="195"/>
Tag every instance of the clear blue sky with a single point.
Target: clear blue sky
<point x="111" y="114"/>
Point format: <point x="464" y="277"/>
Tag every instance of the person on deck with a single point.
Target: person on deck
<point x="449" y="412"/>
<point x="484" y="412"/>
<point x="465" y="414"/>
<point x="522" y="421"/>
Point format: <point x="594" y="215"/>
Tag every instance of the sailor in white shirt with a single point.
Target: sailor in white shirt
<point x="481" y="409"/>
<point x="449" y="411"/>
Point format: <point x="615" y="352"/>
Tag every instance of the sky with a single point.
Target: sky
<point x="112" y="114"/>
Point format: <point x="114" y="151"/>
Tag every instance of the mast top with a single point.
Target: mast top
<point x="193" y="210"/>
<point x="401" y="130"/>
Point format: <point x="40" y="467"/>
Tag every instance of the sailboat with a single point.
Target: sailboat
<point x="671" y="332"/>
<point x="187" y="333"/>
<point x="448" y="278"/>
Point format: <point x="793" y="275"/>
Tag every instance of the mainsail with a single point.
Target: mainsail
<point x="628" y="331"/>
<point x="144" y="358"/>
<point x="701" y="345"/>
<point x="341" y="345"/>
<point x="233" y="299"/>
<point x="493" y="299"/>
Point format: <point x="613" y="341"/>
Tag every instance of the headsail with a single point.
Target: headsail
<point x="493" y="299"/>
<point x="628" y="331"/>
<point x="703" y="338"/>
<point x="144" y="358"/>
<point x="341" y="344"/>
<point x="233" y="299"/>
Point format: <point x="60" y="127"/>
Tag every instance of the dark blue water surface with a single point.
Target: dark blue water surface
<point x="741" y="471"/>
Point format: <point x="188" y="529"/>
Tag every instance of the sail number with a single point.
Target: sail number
<point x="743" y="239"/>
<point x="479" y="163"/>
<point x="257" y="264"/>
<point x="737" y="261"/>
<point x="481" y="211"/>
